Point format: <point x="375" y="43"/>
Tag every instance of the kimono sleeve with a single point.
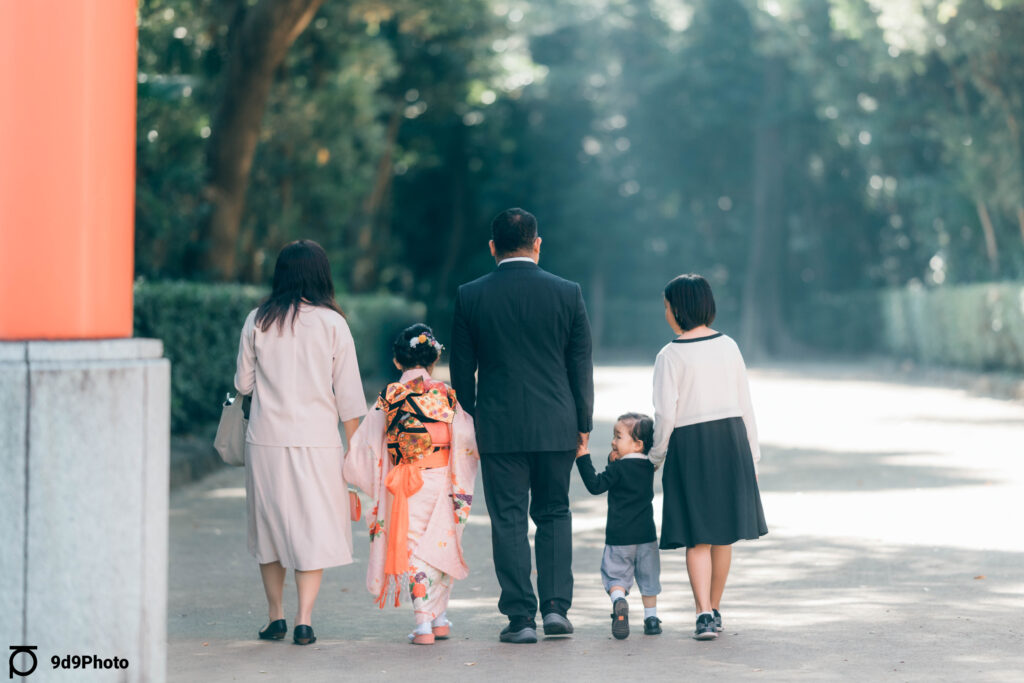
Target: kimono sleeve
<point x="363" y="458"/>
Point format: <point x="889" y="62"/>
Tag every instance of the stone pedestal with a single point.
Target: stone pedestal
<point x="84" y="447"/>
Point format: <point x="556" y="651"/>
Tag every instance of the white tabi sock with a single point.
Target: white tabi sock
<point x="422" y="629"/>
<point x="442" y="620"/>
<point x="650" y="612"/>
<point x="617" y="594"/>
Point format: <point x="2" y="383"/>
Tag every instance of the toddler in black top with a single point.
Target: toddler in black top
<point x="631" y="541"/>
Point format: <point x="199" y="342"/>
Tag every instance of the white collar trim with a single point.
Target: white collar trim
<point x="636" y="456"/>
<point x="516" y="258"/>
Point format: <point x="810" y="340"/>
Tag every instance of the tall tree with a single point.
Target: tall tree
<point x="258" y="40"/>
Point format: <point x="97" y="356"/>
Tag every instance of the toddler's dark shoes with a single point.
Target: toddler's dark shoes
<point x="705" y="627"/>
<point x="652" y="626"/>
<point x="620" y="619"/>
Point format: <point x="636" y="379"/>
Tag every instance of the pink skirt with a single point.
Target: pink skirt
<point x="298" y="506"/>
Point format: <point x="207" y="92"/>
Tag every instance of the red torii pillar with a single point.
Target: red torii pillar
<point x="84" y="408"/>
<point x="67" y="168"/>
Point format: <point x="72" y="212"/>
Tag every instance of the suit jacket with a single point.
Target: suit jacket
<point x="526" y="333"/>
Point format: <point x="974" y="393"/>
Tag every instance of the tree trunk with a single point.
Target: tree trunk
<point x="365" y="268"/>
<point x="460" y="208"/>
<point x="597" y="309"/>
<point x="1020" y="222"/>
<point x="761" y="309"/>
<point x="991" y="249"/>
<point x="258" y="42"/>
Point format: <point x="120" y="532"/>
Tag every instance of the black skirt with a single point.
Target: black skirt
<point x="710" y="488"/>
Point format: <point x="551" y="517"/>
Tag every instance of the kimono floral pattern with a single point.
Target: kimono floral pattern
<point x="418" y="584"/>
<point x="377" y="525"/>
<point x="430" y="589"/>
<point x="462" y="502"/>
<point x="436" y="557"/>
<point x="407" y="406"/>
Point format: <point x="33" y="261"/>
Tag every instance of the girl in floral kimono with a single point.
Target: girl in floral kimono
<point x="416" y="456"/>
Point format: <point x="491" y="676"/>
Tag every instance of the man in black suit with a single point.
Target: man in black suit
<point x="525" y="332"/>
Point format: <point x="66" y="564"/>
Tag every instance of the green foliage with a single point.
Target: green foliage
<point x="200" y="326"/>
<point x="326" y="131"/>
<point x="978" y="326"/>
<point x="847" y="323"/>
<point x="396" y="129"/>
<point x="375" y="321"/>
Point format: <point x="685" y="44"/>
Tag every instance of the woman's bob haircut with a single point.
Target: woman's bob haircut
<point x="691" y="301"/>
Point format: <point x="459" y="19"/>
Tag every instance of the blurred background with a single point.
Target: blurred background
<point x="849" y="174"/>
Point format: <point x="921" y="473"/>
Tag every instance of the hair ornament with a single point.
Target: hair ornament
<point x="423" y="339"/>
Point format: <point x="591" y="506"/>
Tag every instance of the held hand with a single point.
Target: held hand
<point x="583" y="442"/>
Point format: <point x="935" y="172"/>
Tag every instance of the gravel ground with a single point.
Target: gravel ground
<point x="892" y="555"/>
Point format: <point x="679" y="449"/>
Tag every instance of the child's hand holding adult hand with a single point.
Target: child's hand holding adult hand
<point x="582" y="444"/>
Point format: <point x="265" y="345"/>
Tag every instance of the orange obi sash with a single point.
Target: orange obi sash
<point x="438" y="458"/>
<point x="403" y="481"/>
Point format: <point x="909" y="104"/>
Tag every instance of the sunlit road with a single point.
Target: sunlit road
<point x="896" y="551"/>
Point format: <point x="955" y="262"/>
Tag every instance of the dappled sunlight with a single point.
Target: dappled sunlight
<point x="890" y="553"/>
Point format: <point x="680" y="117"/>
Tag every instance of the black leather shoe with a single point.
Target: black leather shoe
<point x="652" y="626"/>
<point x="557" y="624"/>
<point x="304" y="635"/>
<point x="519" y="630"/>
<point x="275" y="630"/>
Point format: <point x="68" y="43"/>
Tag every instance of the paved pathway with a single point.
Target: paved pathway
<point x="896" y="552"/>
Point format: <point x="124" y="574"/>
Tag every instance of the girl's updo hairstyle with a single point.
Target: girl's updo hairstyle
<point x="691" y="301"/>
<point x="422" y="353"/>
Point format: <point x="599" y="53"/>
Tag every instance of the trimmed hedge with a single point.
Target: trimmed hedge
<point x="638" y="327"/>
<point x="850" y="322"/>
<point x="200" y="325"/>
<point x="976" y="326"/>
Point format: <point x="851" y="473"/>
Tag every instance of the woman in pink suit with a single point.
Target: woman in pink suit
<point x="297" y="359"/>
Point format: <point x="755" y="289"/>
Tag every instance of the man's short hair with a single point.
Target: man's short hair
<point x="513" y="230"/>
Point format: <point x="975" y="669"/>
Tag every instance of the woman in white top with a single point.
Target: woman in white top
<point x="705" y="434"/>
<point x="297" y="359"/>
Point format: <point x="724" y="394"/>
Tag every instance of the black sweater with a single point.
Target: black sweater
<point x="630" y="486"/>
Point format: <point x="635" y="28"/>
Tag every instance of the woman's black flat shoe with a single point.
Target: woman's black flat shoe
<point x="304" y="635"/>
<point x="275" y="630"/>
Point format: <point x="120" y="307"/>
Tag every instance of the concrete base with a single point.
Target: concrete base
<point x="84" y="443"/>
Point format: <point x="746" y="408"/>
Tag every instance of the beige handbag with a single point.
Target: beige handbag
<point x="234" y="421"/>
